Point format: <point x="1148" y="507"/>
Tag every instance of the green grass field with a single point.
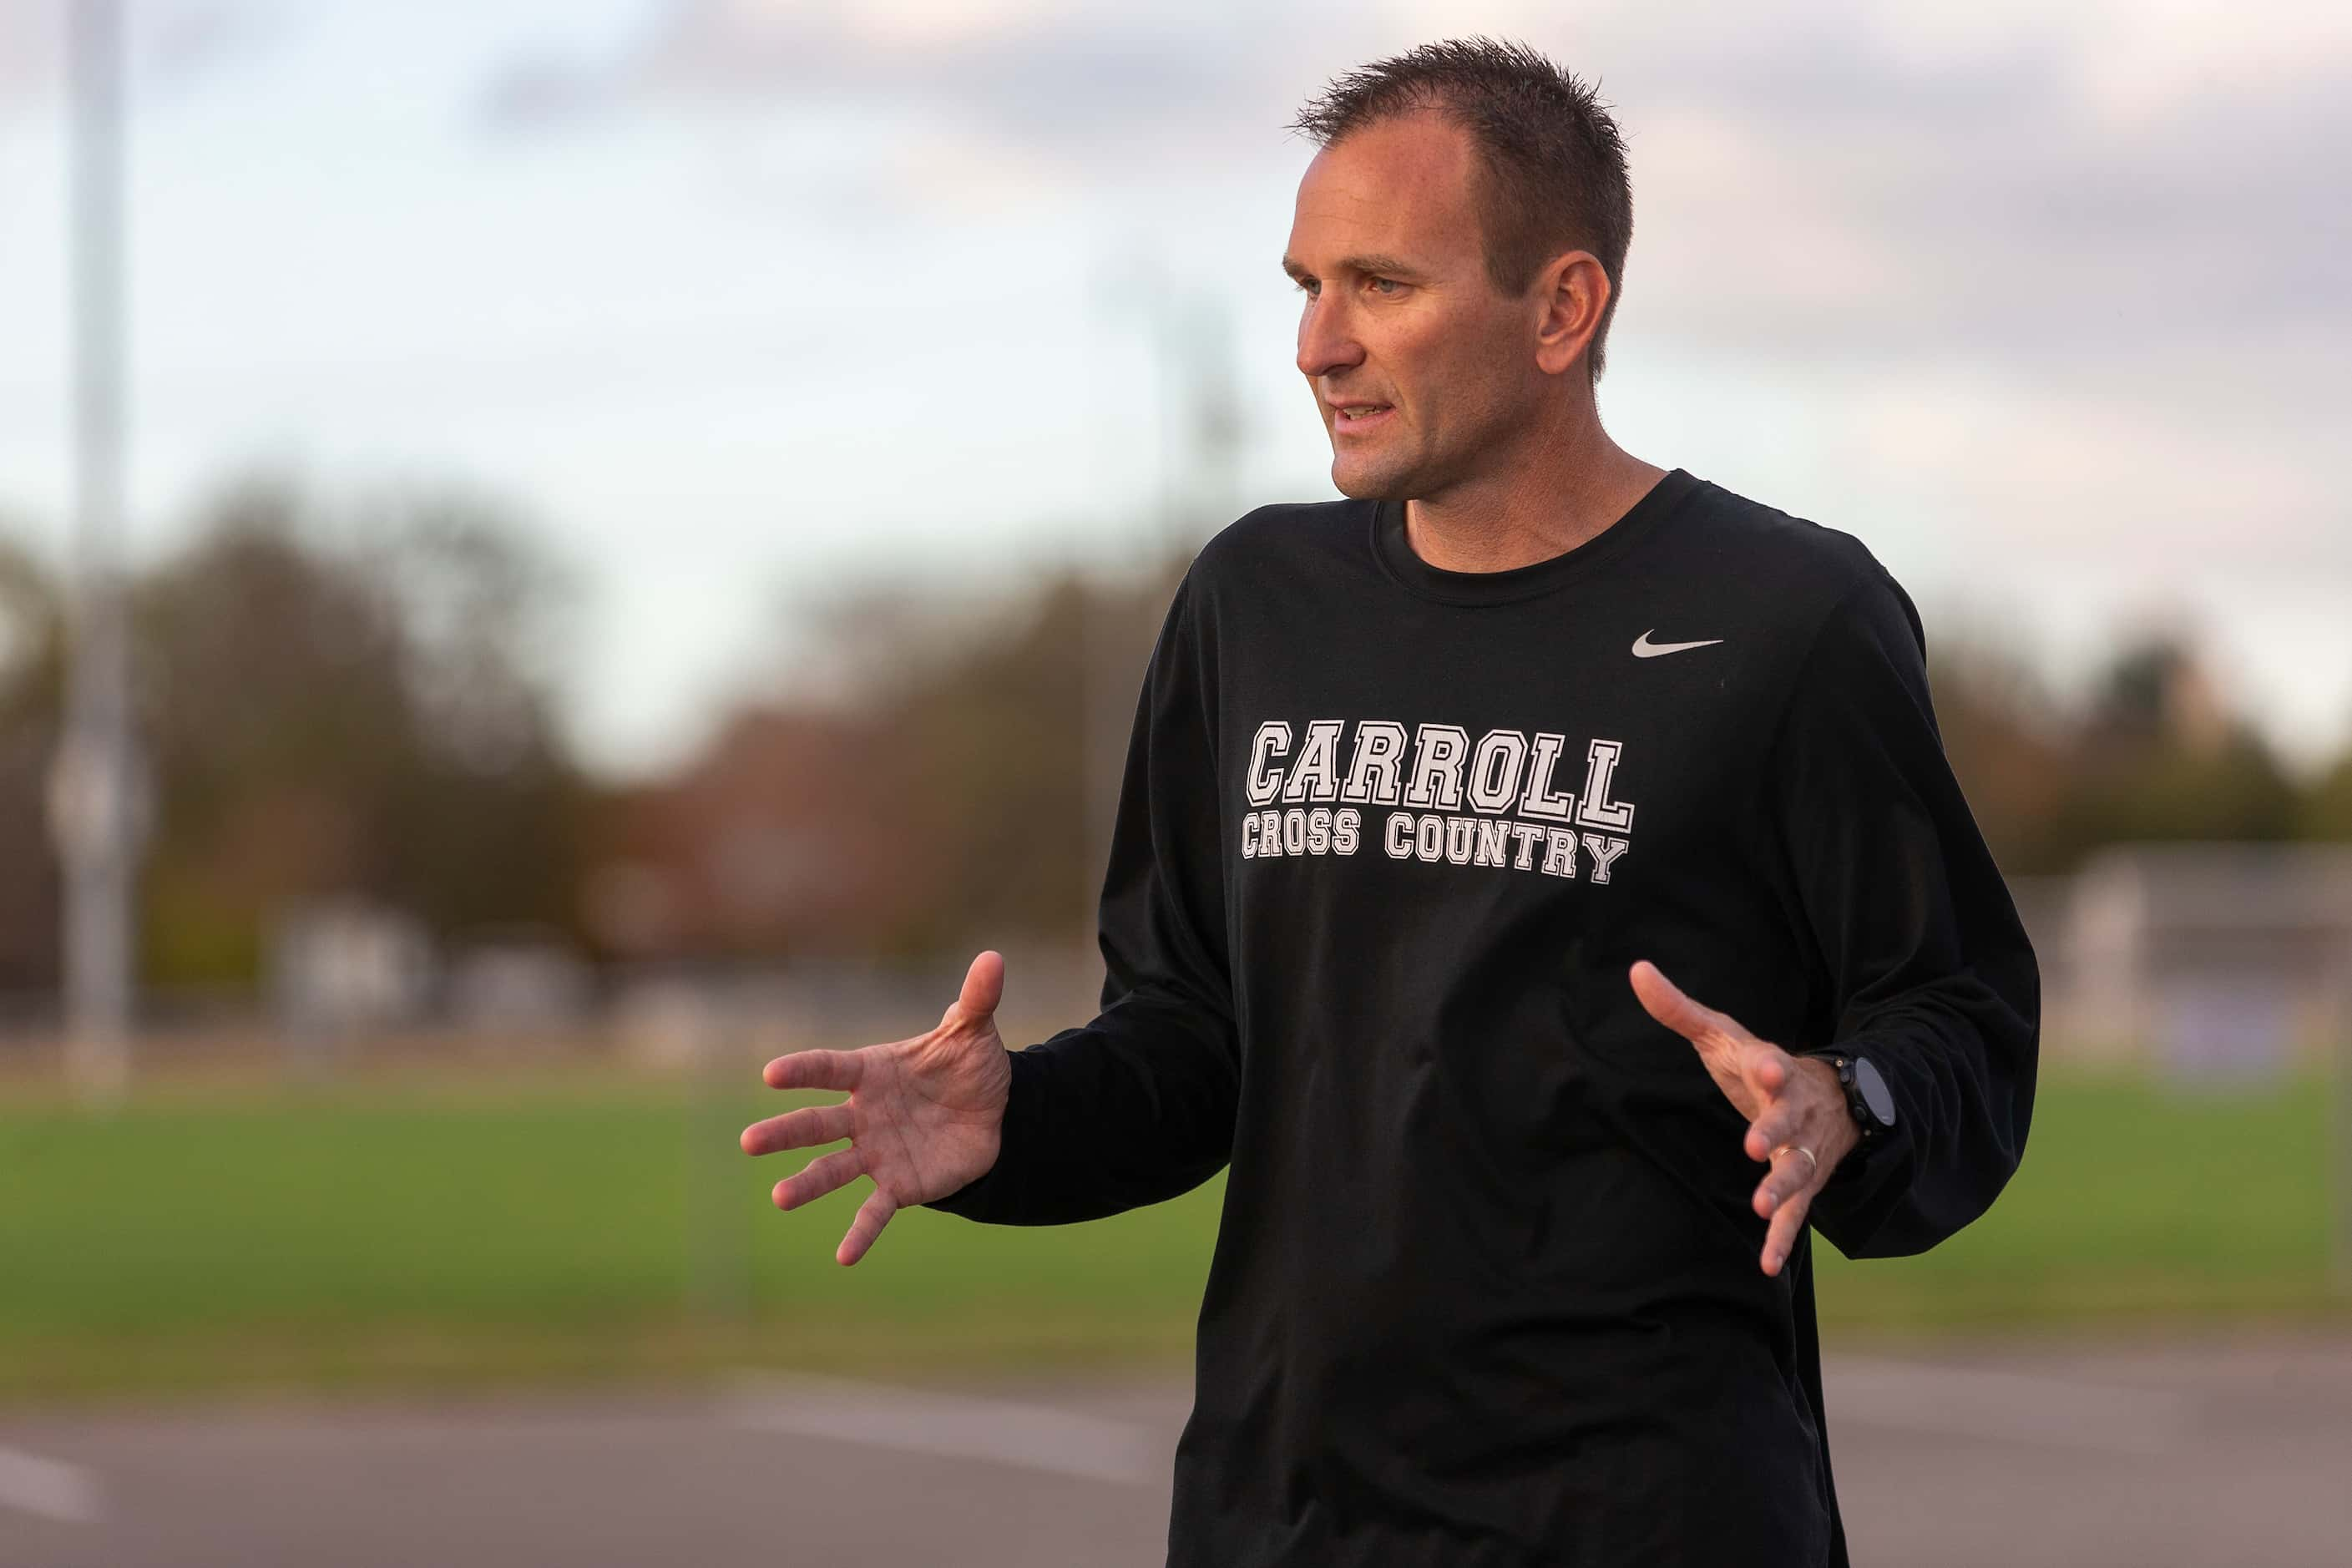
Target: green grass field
<point x="420" y="1233"/>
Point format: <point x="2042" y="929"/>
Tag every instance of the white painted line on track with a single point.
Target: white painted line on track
<point x="30" y="1484"/>
<point x="1032" y="1437"/>
<point x="2003" y="1406"/>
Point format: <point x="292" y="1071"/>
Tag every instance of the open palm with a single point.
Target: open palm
<point x="924" y="1117"/>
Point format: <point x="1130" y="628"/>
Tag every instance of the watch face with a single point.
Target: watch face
<point x="1875" y="1093"/>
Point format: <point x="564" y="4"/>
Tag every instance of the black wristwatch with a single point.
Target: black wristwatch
<point x="1868" y="1099"/>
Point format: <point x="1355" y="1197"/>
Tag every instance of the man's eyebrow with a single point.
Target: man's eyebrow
<point x="1386" y="265"/>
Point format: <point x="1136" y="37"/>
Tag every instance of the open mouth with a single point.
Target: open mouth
<point x="1359" y="415"/>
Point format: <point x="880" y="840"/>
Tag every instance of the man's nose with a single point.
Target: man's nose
<point x="1326" y="340"/>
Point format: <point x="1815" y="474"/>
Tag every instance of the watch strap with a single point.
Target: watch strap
<point x="1870" y="1133"/>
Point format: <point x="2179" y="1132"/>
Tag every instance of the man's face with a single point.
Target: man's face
<point x="1386" y="245"/>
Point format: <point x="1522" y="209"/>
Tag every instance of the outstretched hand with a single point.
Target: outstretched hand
<point x="924" y="1117"/>
<point x="1793" y="1103"/>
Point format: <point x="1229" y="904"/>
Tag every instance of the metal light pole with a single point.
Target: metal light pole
<point x="1106" y="696"/>
<point x="1217" y="429"/>
<point x="95" y="800"/>
<point x="1198" y="434"/>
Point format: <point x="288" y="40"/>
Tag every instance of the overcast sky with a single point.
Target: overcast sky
<point x="735" y="300"/>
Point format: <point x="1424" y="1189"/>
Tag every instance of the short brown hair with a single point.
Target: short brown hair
<point x="1552" y="164"/>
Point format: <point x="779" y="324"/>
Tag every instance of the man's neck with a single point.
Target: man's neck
<point x="1518" y="519"/>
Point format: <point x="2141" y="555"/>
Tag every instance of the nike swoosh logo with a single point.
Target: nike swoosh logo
<point x="1644" y="649"/>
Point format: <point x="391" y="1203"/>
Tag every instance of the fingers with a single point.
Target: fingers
<point x="810" y="1125"/>
<point x="1665" y="1002"/>
<point x="820" y="1176"/>
<point x="983" y="988"/>
<point x="872" y="1215"/>
<point x="1788" y="1220"/>
<point x="1793" y="1175"/>
<point x="816" y="1069"/>
<point x="1780" y="1121"/>
<point x="1801" y="1110"/>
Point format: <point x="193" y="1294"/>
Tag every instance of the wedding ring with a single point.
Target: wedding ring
<point x="1812" y="1165"/>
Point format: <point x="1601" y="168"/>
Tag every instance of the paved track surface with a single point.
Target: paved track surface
<point x="2206" y="1453"/>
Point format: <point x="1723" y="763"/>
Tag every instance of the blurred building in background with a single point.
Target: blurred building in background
<point x="2214" y="958"/>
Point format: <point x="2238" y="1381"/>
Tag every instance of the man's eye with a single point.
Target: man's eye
<point x="1389" y="288"/>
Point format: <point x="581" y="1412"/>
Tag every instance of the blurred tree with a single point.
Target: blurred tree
<point x="997" y="753"/>
<point x="992" y="777"/>
<point x="2159" y="755"/>
<point x="2006" y="743"/>
<point x="358" y="719"/>
<point x="936" y="776"/>
<point x="492" y="816"/>
<point x="32" y="644"/>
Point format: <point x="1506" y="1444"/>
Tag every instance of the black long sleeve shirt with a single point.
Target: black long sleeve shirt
<point x="1485" y="1287"/>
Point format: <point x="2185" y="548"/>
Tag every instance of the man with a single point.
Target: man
<point x="1431" y="790"/>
